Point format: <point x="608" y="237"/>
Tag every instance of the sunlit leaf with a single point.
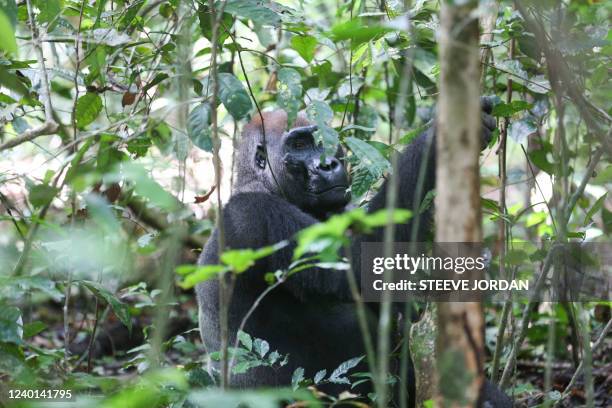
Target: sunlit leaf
<point x="305" y="45"/>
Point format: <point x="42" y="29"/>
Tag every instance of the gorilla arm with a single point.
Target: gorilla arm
<point x="254" y="220"/>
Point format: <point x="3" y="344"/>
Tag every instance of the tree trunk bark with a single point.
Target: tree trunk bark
<point x="460" y="341"/>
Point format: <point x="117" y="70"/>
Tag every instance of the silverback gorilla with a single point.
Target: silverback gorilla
<point x="310" y="316"/>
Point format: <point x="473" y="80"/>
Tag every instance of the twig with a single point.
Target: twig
<point x="503" y="226"/>
<point x="578" y="371"/>
<point x="49" y="126"/>
<point x="525" y="319"/>
<point x="580" y="190"/>
<point x="216" y="17"/>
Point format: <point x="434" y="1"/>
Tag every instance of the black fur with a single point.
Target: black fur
<point x="311" y="316"/>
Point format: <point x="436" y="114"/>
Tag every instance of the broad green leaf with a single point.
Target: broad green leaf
<point x="9" y="8"/>
<point x="245" y="340"/>
<point x="289" y="92"/>
<point x="509" y="109"/>
<point x="206" y="24"/>
<point x="198" y="128"/>
<point x="121" y="310"/>
<point x="49" y="10"/>
<point x="368" y="157"/>
<point x="233" y="95"/>
<point x="42" y="194"/>
<point x="540" y="160"/>
<point x="320" y="113"/>
<point x="16" y="287"/>
<point x="10" y="327"/>
<point x="259" y="11"/>
<point x="88" y="107"/>
<point x="326" y="238"/>
<point x="357" y="31"/>
<point x="239" y="260"/>
<point x="7" y="34"/>
<point x="195" y="274"/>
<point x="305" y="45"/>
<point x="32" y="329"/>
<point x="130" y="14"/>
<point x="603" y="177"/>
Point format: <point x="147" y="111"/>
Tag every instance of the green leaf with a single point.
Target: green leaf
<point x="16" y="287"/>
<point x="155" y="81"/>
<point x="88" y="107"/>
<point x="320" y="113"/>
<point x="196" y="274"/>
<point x="49" y="10"/>
<point x="245" y="340"/>
<point x="538" y="158"/>
<point x="7" y="34"/>
<point x="198" y="128"/>
<point x="42" y="194"/>
<point x="10" y="329"/>
<point x="325" y="238"/>
<point x="297" y="377"/>
<point x="239" y="260"/>
<point x="121" y="310"/>
<point x="368" y="157"/>
<point x="206" y="26"/>
<point x="357" y="31"/>
<point x="233" y="95"/>
<point x="509" y="109"/>
<point x="289" y="95"/>
<point x="10" y="10"/>
<point x="305" y="45"/>
<point x="603" y="177"/>
<point x="32" y="329"/>
<point x="259" y="11"/>
<point x="596" y="207"/>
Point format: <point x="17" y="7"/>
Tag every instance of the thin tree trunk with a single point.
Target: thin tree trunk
<point x="460" y="341"/>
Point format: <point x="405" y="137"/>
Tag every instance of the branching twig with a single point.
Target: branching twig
<point x="586" y="108"/>
<point x="49" y="126"/>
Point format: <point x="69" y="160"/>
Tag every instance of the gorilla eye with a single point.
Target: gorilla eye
<point x="300" y="144"/>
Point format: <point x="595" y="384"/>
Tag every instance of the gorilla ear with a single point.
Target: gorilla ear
<point x="260" y="157"/>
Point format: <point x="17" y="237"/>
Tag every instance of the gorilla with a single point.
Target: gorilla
<point x="285" y="183"/>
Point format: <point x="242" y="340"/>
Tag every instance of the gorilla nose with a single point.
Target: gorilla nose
<point x="329" y="164"/>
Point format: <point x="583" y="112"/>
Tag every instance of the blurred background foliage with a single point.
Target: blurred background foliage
<point x="106" y="172"/>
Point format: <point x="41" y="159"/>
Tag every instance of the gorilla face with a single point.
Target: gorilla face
<point x="314" y="182"/>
